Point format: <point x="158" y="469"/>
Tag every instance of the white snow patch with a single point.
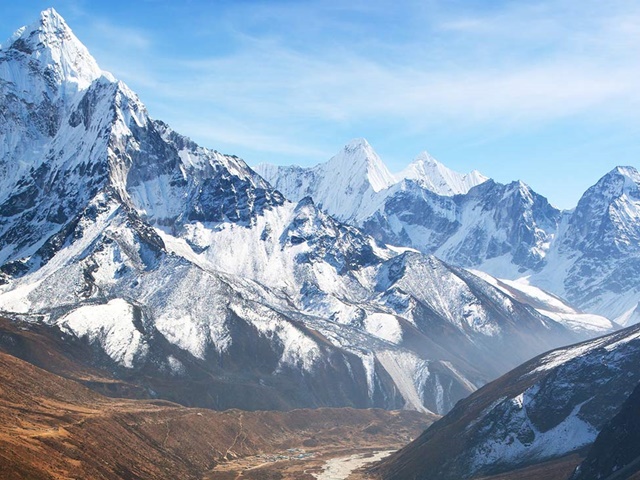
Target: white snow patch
<point x="385" y="326"/>
<point x="176" y="366"/>
<point x="111" y="325"/>
<point x="409" y="373"/>
<point x="569" y="435"/>
<point x="550" y="305"/>
<point x="559" y="357"/>
<point x="299" y="350"/>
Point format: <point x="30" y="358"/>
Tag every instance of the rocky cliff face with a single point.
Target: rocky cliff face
<point x="499" y="228"/>
<point x="549" y="407"/>
<point x="616" y="450"/>
<point x="601" y="246"/>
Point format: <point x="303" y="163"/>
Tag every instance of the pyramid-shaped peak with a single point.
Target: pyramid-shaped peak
<point x="358" y="143"/>
<point x="626" y="171"/>
<point x="434" y="176"/>
<point x="51" y="20"/>
<point x="49" y="30"/>
<point x="521" y="189"/>
<point x="50" y="42"/>
<point x="359" y="150"/>
<point x="621" y="178"/>
<point x="357" y="162"/>
<point x="426" y="158"/>
<point x="614" y="185"/>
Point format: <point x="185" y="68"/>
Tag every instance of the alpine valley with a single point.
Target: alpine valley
<point x="139" y="264"/>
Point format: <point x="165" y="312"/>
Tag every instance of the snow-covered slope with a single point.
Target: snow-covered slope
<point x="182" y="266"/>
<point x="544" y="409"/>
<point x="468" y="220"/>
<point x="587" y="256"/>
<point x="436" y="177"/>
<point x="355" y="182"/>
<point x="595" y="261"/>
<point x="494" y="227"/>
<point x="348" y="182"/>
<point x="552" y="306"/>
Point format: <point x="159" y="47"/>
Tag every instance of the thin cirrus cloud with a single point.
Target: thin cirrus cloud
<point x="129" y="38"/>
<point x="350" y="88"/>
<point x="287" y="78"/>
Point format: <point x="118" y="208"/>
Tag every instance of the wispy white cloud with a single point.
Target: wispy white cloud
<point x="592" y="66"/>
<point x="121" y="37"/>
<point x="300" y="66"/>
<point x="228" y="134"/>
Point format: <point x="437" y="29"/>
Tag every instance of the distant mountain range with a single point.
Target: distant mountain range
<point x="590" y="255"/>
<point x="355" y="183"/>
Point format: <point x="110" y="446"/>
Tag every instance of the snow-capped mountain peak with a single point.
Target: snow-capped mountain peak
<point x="607" y="214"/>
<point x="627" y="171"/>
<point x="623" y="179"/>
<point x="341" y="186"/>
<point x="50" y="44"/>
<point x="360" y="167"/>
<point x="434" y="176"/>
<point x="522" y="190"/>
<point x="357" y="144"/>
<point x="355" y="182"/>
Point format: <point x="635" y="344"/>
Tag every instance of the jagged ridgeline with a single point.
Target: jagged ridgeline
<point x="588" y="255"/>
<point x="186" y="272"/>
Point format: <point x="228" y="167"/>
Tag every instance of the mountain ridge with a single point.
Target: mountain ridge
<point x="181" y="264"/>
<point x="508" y="231"/>
<point x="549" y="407"/>
<point x="322" y="179"/>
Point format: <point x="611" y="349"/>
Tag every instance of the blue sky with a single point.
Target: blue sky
<point x="543" y="91"/>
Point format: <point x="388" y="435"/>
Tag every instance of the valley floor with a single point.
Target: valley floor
<point x="54" y="428"/>
<point x="324" y="463"/>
